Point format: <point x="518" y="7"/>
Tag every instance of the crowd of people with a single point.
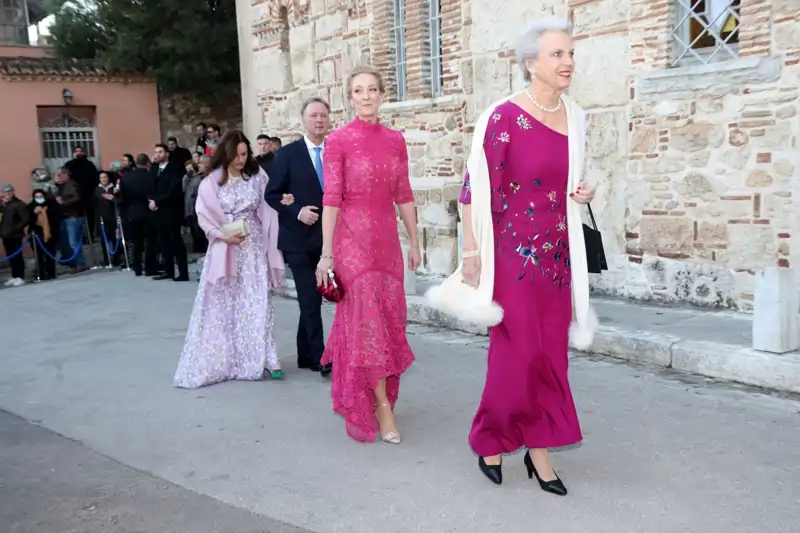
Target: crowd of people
<point x="86" y="205"/>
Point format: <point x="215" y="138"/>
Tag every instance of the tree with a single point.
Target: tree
<point x="189" y="46"/>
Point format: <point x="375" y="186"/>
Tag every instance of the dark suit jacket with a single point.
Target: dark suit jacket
<point x="180" y="156"/>
<point x="293" y="172"/>
<point x="168" y="194"/>
<point x="135" y="190"/>
<point x="265" y="161"/>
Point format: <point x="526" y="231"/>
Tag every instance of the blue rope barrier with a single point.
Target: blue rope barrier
<point x="54" y="258"/>
<point x="15" y="254"/>
<point x="105" y="240"/>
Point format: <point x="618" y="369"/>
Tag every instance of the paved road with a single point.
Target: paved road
<point x="53" y="484"/>
<point x="92" y="357"/>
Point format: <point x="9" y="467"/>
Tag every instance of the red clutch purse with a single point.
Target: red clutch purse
<point x="334" y="292"/>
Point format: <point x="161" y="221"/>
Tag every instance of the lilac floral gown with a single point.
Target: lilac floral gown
<point x="230" y="332"/>
<point x="526" y="401"/>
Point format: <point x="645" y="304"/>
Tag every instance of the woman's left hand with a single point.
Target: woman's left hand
<point x="287" y="199"/>
<point x="276" y="277"/>
<point x="414" y="258"/>
<point x="584" y="194"/>
<point x="323" y="266"/>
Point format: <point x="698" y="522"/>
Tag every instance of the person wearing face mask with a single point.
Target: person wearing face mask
<point x="366" y="173"/>
<point x="46" y="225"/>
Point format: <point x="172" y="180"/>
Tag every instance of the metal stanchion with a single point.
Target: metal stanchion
<point x="104" y="243"/>
<point x="121" y="231"/>
<point x="35" y="246"/>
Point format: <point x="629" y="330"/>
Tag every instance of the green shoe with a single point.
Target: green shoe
<point x="276" y="374"/>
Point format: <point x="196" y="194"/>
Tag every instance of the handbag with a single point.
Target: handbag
<point x="237" y="227"/>
<point x="595" y="254"/>
<point x="334" y="292"/>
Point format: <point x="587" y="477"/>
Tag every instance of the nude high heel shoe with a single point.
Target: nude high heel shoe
<point x="392" y="437"/>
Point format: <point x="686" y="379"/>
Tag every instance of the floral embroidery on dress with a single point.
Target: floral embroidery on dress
<point x="528" y="253"/>
<point x="527" y="208"/>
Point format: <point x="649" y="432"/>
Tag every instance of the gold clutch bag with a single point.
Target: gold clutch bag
<point x="238" y="227"/>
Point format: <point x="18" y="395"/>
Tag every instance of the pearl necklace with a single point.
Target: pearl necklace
<point x="540" y="106"/>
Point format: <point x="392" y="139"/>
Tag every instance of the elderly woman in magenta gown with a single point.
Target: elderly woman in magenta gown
<point x="526" y="402"/>
<point x="230" y="333"/>
<point x="366" y="175"/>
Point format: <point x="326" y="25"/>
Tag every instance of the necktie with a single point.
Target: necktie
<point x="318" y="165"/>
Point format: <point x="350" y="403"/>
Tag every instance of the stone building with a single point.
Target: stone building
<point x="692" y="104"/>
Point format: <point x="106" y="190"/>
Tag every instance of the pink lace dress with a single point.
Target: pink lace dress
<point x="366" y="174"/>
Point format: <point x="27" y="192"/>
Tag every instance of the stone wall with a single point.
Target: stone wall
<point x="180" y="115"/>
<point x="696" y="165"/>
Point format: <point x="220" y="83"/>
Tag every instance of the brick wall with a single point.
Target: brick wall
<point x="711" y="161"/>
<point x="696" y="166"/>
<point x="180" y="115"/>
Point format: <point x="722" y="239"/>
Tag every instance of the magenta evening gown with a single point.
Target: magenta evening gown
<point x="526" y="401"/>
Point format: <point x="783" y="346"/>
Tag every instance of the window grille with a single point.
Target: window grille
<point x="706" y="31"/>
<point x="398" y="32"/>
<point x="435" y="30"/>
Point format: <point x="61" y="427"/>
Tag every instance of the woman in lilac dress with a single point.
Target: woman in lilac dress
<point x="526" y="401"/>
<point x="230" y="333"/>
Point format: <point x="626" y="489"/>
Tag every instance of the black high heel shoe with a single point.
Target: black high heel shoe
<point x="493" y="472"/>
<point x="555" y="486"/>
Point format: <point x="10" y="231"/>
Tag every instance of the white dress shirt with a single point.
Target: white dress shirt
<point x="312" y="152"/>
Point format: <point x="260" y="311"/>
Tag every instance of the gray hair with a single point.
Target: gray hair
<point x="314" y="100"/>
<point x="531" y="36"/>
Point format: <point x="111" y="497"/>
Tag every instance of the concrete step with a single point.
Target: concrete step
<point x="715" y="344"/>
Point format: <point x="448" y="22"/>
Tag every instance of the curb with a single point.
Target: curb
<point x="727" y="362"/>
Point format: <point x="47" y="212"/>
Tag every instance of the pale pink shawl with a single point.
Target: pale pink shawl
<point x="221" y="257"/>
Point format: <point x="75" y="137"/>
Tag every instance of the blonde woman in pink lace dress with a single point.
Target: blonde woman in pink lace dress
<point x="366" y="175"/>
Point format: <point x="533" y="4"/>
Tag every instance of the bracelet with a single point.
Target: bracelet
<point x="471" y="253"/>
<point x="325" y="256"/>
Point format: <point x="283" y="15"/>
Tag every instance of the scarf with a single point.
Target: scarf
<point x="221" y="257"/>
<point x="43" y="222"/>
<point x="476" y="305"/>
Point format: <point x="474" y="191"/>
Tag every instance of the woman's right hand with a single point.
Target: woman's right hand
<point x="234" y="240"/>
<point x="471" y="271"/>
<point x="325" y="264"/>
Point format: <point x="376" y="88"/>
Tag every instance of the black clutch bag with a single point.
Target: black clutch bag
<point x="595" y="254"/>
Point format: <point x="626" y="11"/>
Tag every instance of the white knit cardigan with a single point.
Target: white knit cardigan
<point x="476" y="305"/>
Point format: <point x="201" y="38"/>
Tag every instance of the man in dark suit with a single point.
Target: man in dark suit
<point x="266" y="153"/>
<point x="135" y="191"/>
<point x="297" y="170"/>
<point x="178" y="154"/>
<point x="166" y="203"/>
